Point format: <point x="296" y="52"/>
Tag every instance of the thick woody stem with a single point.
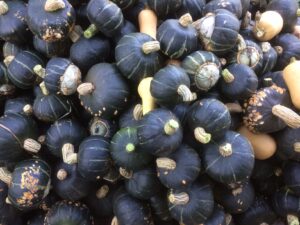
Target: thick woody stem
<point x="5" y="175"/>
<point x="151" y="46"/>
<point x="186" y="93"/>
<point x="76" y="33"/>
<point x="102" y="192"/>
<point x="54" y="5"/>
<point x="27" y="109"/>
<point x="171" y="127"/>
<point x="185" y="20"/>
<point x="31" y="145"/>
<point x="44" y="89"/>
<point x="114" y="221"/>
<point x="225" y="150"/>
<point x="291" y="118"/>
<point x="85" y="88"/>
<point x="40" y="71"/>
<point x="3" y="8"/>
<point x="297" y="146"/>
<point x="125" y="173"/>
<point x="8" y="60"/>
<point x="68" y="153"/>
<point x="228" y="76"/>
<point x="201" y="135"/>
<point x="61" y="174"/>
<point x="166" y="163"/>
<point x="241" y="42"/>
<point x="292" y="220"/>
<point x="179" y="198"/>
<point x="138" y="112"/>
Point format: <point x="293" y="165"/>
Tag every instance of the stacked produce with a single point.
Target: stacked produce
<point x="158" y="112"/>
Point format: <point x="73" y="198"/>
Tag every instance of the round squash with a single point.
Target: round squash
<point x="291" y="176"/>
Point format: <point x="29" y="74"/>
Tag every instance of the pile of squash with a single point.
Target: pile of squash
<point x="149" y="112"/>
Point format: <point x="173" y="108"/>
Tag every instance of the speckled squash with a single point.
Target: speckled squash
<point x="50" y="20"/>
<point x="203" y="68"/>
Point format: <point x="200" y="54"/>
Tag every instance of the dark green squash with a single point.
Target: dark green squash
<point x="105" y="16"/>
<point x="104" y="92"/>
<point x="269" y="57"/>
<point x="237" y="200"/>
<point x="17" y="132"/>
<point x="179" y="169"/>
<point x="239" y="82"/>
<point x="126" y="152"/>
<point x="217" y="217"/>
<point x="67" y="182"/>
<point x="71" y="213"/>
<point x="20" y="69"/>
<point x="51" y="107"/>
<point x="288" y="10"/>
<point x="164" y="8"/>
<point x="94" y="160"/>
<point x="181" y="112"/>
<point x="230" y="159"/>
<point x="52" y="49"/>
<point x="141" y="184"/>
<point x="234" y="6"/>
<point x="192" y="205"/>
<point x="127" y="28"/>
<point x="159" y="206"/>
<point x="193" y="7"/>
<point x="288" y="143"/>
<point x="218" y="31"/>
<point x="208" y="119"/>
<point x="178" y="38"/>
<point x="21" y="105"/>
<point x="171" y="85"/>
<point x="269" y="110"/>
<point x="260" y="212"/>
<point x="60" y="76"/>
<point x="85" y="53"/>
<point x="250" y="54"/>
<point x="100" y="199"/>
<point x="64" y="134"/>
<point x="203" y="68"/>
<point x="137" y="56"/>
<point x="13" y="26"/>
<point x="102" y="127"/>
<point x="50" y="20"/>
<point x="29" y="183"/>
<point x="287" y="46"/>
<point x="159" y="132"/>
<point x="129" y="210"/>
<point x="131" y="116"/>
<point x="291" y="176"/>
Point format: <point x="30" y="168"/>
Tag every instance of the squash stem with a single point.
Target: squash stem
<point x="76" y="33"/>
<point x="8" y="60"/>
<point x="278" y="49"/>
<point x="291" y="118"/>
<point x="292" y="220"/>
<point x="7" y="89"/>
<point x="138" y="112"/>
<point x="166" y="163"/>
<point x="99" y="127"/>
<point x="42" y="139"/>
<point x="241" y="42"/>
<point x="265" y="46"/>
<point x="40" y="71"/>
<point x="85" y="89"/>
<point x="31" y="145"/>
<point x="5" y="175"/>
<point x="179" y="198"/>
<point x="125" y="173"/>
<point x="130" y="147"/>
<point x="112" y="176"/>
<point x="228" y="76"/>
<point x="298" y="12"/>
<point x="297" y="146"/>
<point x="3" y="8"/>
<point x="68" y="154"/>
<point x="267" y="82"/>
<point x="61" y="174"/>
<point x="201" y="135"/>
<point x="114" y="221"/>
<point x="44" y="89"/>
<point x="246" y="20"/>
<point x="70" y="80"/>
<point x="54" y="5"/>
<point x="102" y="192"/>
<point x="186" y="93"/>
<point x="225" y="150"/>
<point x="185" y="20"/>
<point x="90" y="31"/>
<point x="171" y="127"/>
<point x="27" y="109"/>
<point x="151" y="46"/>
<point x="234" y="107"/>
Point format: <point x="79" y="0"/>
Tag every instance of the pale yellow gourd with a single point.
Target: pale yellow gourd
<point x="148" y="102"/>
<point x="264" y="146"/>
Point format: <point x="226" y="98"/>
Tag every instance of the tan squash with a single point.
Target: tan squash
<point x="148" y="22"/>
<point x="264" y="145"/>
<point x="267" y="25"/>
<point x="291" y="76"/>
